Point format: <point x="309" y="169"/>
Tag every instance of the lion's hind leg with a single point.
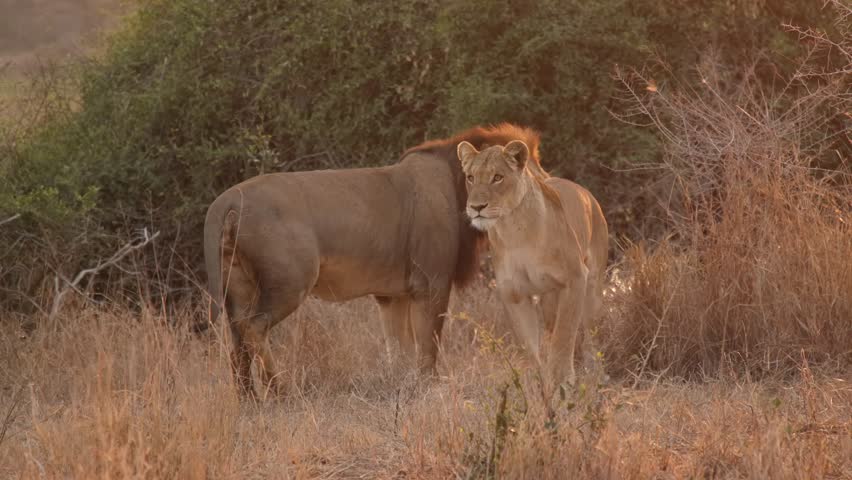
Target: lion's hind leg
<point x="593" y="308"/>
<point x="239" y="316"/>
<point x="250" y="334"/>
<point x="253" y="335"/>
<point x="285" y="285"/>
<point x="241" y="296"/>
<point x="262" y="293"/>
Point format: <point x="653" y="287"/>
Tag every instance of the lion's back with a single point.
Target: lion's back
<point x="584" y="214"/>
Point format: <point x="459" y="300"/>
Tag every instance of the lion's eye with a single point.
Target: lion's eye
<point x="470" y="178"/>
<point x="497" y="178"/>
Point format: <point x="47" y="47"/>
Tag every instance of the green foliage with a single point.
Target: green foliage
<point x="547" y="64"/>
<point x="193" y="96"/>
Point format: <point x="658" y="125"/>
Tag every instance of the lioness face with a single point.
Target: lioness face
<point x="494" y="179"/>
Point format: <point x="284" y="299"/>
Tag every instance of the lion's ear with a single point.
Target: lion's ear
<point x="466" y="152"/>
<point x="519" y="152"/>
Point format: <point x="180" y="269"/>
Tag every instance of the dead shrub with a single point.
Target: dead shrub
<point x="757" y="270"/>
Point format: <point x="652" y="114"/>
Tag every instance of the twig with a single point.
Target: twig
<point x="13" y="217"/>
<point x="26" y="297"/>
<point x="287" y="165"/>
<point x="10" y="413"/>
<point x="653" y="344"/>
<point x="111" y="261"/>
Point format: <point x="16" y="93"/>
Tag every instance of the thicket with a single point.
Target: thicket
<point x="192" y="96"/>
<point x="755" y="275"/>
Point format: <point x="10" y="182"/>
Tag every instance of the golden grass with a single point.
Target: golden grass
<point x="106" y="393"/>
<point x="756" y="271"/>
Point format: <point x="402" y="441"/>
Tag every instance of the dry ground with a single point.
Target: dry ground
<point x="35" y="30"/>
<point x="106" y="393"/>
<point x="35" y="34"/>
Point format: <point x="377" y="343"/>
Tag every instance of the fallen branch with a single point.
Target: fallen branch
<point x="111" y="261"/>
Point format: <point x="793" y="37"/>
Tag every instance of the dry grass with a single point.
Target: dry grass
<point x="116" y="394"/>
<point x="756" y="272"/>
<point x="750" y="298"/>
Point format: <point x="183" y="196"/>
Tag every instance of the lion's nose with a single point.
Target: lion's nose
<point x="478" y="208"/>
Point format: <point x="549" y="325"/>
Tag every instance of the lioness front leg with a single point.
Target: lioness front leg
<point x="524" y="318"/>
<point x="568" y="322"/>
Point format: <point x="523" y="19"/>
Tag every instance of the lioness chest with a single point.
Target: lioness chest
<point x="524" y="272"/>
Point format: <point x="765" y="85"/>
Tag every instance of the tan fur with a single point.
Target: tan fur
<point x="549" y="239"/>
<point x="397" y="232"/>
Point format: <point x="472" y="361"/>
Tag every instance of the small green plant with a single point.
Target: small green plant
<point x="507" y="415"/>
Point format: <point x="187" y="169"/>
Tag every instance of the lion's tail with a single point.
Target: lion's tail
<point x="215" y="225"/>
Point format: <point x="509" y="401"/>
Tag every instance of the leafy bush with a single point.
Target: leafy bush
<point x="193" y="96"/>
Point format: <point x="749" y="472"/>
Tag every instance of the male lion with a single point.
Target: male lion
<point x="397" y="232"/>
<point x="548" y="238"/>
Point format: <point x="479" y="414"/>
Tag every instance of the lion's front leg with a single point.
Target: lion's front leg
<point x="427" y="320"/>
<point x="396" y="325"/>
<point x="565" y="330"/>
<point x="524" y="318"/>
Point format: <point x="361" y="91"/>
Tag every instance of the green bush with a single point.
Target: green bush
<point x="193" y="96"/>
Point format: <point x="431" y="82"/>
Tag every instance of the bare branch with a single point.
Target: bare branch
<point x="74" y="284"/>
<point x="12" y="218"/>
